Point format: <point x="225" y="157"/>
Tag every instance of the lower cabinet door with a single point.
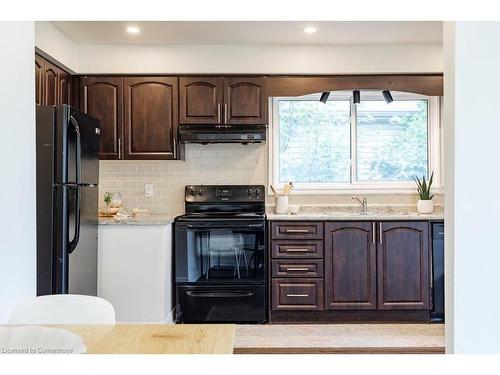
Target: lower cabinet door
<point x="350" y="266"/>
<point x="403" y="266"/>
<point x="297" y="294"/>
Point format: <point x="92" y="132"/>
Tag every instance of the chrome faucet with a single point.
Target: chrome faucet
<point x="362" y="203"/>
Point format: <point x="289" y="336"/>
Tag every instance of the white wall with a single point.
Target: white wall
<point x="50" y="40"/>
<point x="476" y="328"/>
<point x="448" y="112"/>
<point x="17" y="165"/>
<point x="278" y="59"/>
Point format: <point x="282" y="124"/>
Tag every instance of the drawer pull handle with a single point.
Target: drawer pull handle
<point x="297" y="230"/>
<point x="297" y="269"/>
<point x="297" y="295"/>
<point x="296" y="250"/>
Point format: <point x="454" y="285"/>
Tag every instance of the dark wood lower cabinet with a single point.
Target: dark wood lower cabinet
<point x="403" y="266"/>
<point x="350" y="266"/>
<point x="349" y="271"/>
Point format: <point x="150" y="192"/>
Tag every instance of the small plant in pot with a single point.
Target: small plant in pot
<point x="425" y="205"/>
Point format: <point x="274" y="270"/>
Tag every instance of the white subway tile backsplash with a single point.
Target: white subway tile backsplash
<point x="204" y="164"/>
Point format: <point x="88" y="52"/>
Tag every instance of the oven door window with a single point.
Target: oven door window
<point x="208" y="254"/>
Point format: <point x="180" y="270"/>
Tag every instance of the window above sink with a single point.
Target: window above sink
<point x="340" y="146"/>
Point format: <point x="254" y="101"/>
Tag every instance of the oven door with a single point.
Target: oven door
<point x="220" y="252"/>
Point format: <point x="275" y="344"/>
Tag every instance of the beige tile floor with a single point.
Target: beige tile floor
<point x="340" y="338"/>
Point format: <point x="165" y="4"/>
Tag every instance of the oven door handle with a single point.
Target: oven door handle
<point x="227" y="226"/>
<point x="222" y="294"/>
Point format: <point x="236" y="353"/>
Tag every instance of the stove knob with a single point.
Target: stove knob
<point x="199" y="192"/>
<point x="191" y="191"/>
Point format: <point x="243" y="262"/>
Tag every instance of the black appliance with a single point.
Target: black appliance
<point x="437" y="313"/>
<point x="67" y="173"/>
<point x="220" y="255"/>
<point x="205" y="134"/>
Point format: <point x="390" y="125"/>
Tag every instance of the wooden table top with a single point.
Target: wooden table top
<point x="156" y="338"/>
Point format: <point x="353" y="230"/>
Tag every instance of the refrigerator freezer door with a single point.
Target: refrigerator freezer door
<point x="89" y="137"/>
<point x="76" y="147"/>
<point x="82" y="260"/>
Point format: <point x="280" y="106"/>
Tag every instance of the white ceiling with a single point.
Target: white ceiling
<point x="215" y="32"/>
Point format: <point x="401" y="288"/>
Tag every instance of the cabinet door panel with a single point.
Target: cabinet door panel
<point x="200" y="100"/>
<point x="39" y="80"/>
<point x="350" y="266"/>
<point x="151" y="117"/>
<point x="102" y="98"/>
<point x="245" y="101"/>
<point x="50" y="84"/>
<point x="403" y="266"/>
<point x="64" y="88"/>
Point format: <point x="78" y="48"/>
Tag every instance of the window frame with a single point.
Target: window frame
<point x="434" y="148"/>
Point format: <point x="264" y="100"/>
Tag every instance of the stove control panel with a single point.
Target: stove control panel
<point x="224" y="193"/>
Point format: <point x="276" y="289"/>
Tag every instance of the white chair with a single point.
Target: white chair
<point x="64" y="309"/>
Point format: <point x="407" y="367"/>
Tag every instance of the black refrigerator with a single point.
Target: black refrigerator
<point x="67" y="174"/>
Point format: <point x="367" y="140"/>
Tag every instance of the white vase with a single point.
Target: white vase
<point x="281" y="204"/>
<point x="425" y="206"/>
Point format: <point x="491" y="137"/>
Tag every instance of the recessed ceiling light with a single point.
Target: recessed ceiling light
<point x="133" y="30"/>
<point x="309" y="30"/>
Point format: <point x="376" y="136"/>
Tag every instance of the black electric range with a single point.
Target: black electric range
<point x="220" y="255"/>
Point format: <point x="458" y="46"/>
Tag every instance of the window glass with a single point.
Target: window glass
<point x="391" y="140"/>
<point x="314" y="141"/>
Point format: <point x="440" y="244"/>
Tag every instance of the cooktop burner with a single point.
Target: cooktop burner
<point x="224" y="202"/>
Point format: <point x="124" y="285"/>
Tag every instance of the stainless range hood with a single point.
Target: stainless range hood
<point x="206" y="134"/>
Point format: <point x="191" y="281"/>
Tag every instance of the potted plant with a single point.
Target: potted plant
<point x="425" y="205"/>
<point x="107" y="200"/>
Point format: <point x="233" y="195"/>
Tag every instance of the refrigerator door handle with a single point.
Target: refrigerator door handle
<point x="74" y="242"/>
<point x="78" y="159"/>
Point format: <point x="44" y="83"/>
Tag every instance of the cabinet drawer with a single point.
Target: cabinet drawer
<point x="297" y="268"/>
<point x="297" y="249"/>
<point x="292" y="229"/>
<point x="297" y="294"/>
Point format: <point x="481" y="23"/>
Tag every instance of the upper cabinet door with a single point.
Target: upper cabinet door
<point x="200" y="100"/>
<point x="64" y="88"/>
<point x="350" y="266"/>
<point x="245" y="101"/>
<point x="403" y="266"/>
<point x="151" y="117"/>
<point x="50" y="84"/>
<point x="39" y="79"/>
<point x="102" y="98"/>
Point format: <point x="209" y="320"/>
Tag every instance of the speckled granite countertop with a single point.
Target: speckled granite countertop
<point x="349" y="216"/>
<point x="146" y="220"/>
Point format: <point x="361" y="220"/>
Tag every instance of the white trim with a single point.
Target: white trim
<point x="434" y="147"/>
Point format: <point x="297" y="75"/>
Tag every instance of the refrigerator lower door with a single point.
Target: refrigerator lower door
<point x="75" y="239"/>
<point x="82" y="260"/>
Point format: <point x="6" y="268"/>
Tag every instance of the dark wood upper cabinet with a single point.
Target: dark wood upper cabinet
<point x="64" y="88"/>
<point x="222" y="100"/>
<point x="403" y="266"/>
<point x="102" y="98"/>
<point x="200" y="100"/>
<point x="51" y="91"/>
<point x="151" y="117"/>
<point x="350" y="266"/>
<point x="39" y="79"/>
<point x="245" y="101"/>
